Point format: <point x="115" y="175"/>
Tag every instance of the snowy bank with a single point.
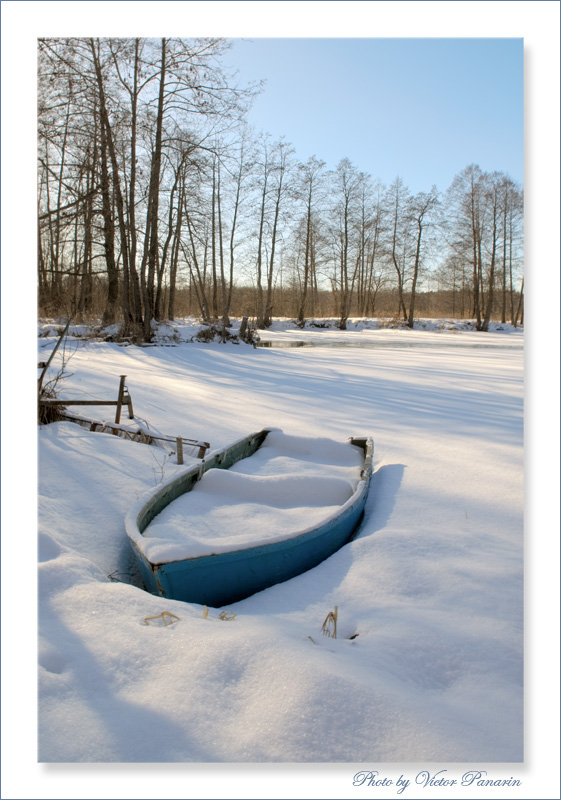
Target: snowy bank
<point x="188" y="328"/>
<point x="430" y="589"/>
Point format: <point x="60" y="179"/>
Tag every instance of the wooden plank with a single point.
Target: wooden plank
<point x="123" y="399"/>
<point x="141" y="436"/>
<point x="81" y="402"/>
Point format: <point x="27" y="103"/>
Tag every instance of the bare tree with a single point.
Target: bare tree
<point x="281" y="169"/>
<point x="420" y="208"/>
<point x="311" y="178"/>
<point x="397" y="201"/>
<point x="465" y="219"/>
<point x="347" y="193"/>
<point x="146" y="177"/>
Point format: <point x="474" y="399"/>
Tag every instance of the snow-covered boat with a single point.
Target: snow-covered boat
<point x="258" y="512"/>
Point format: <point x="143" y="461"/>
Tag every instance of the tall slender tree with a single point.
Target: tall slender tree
<point x="420" y="208"/>
<point x="347" y="203"/>
<point x="397" y="201"/>
<point x="311" y="177"/>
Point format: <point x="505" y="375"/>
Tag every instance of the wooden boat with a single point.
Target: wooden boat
<point x="230" y="572"/>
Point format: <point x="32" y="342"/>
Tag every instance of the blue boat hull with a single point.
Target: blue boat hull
<point x="220" y="579"/>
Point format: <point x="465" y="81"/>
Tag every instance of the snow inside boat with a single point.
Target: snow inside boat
<point x="261" y="511"/>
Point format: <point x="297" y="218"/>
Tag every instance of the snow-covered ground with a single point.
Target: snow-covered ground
<point x="431" y="588"/>
<point x="432" y="584"/>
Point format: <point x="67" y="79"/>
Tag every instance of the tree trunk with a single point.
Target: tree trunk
<point x="84" y="302"/>
<point x="153" y="206"/>
<point x="223" y="287"/>
<point x="197" y="276"/>
<point x="159" y="303"/>
<point x="520" y="308"/>
<point x="108" y="232"/>
<point x="175" y="251"/>
<point x="260" y="305"/>
<point x="307" y="259"/>
<point x="401" y="311"/>
<point x="410" y="320"/>
<point x="213" y="245"/>
<point x="491" y="287"/>
<point x="132" y="303"/>
<point x="234" y="224"/>
<point x="269" y="302"/>
<point x="106" y="127"/>
<point x="503" y="305"/>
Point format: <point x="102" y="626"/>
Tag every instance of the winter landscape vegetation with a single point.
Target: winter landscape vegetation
<point x="157" y="200"/>
<point x="238" y="285"/>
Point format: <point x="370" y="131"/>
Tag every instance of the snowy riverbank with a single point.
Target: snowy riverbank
<point x="432" y="584"/>
<point x="186" y="329"/>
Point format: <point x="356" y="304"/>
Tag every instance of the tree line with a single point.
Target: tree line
<point x="153" y="190"/>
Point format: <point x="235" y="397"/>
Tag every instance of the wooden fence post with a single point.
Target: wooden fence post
<point x="179" y="443"/>
<point x="120" y="400"/>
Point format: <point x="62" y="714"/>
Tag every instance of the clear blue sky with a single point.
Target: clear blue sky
<point x="422" y="109"/>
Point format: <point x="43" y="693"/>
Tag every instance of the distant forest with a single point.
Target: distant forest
<point x="156" y="201"/>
